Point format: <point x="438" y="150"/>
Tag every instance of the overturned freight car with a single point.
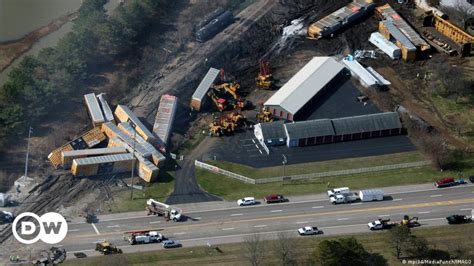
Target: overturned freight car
<point x="214" y="26"/>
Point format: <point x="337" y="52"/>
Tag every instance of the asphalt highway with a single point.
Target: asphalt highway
<point x="233" y="224"/>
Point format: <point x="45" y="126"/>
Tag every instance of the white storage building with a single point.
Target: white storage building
<point x="385" y="45"/>
<point x="303" y="87"/>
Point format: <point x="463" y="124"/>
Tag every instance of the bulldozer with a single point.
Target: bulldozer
<point x="106" y="248"/>
<point x="238" y="119"/>
<point x="215" y="129"/>
<point x="264" y="78"/>
<point x="264" y="116"/>
<point x="410" y="222"/>
<point x="220" y="103"/>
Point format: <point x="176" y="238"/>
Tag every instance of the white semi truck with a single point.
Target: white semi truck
<point x="158" y="208"/>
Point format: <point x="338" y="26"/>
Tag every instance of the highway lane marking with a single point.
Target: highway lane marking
<point x="260" y="225"/>
<point x="95" y="229"/>
<point x="466" y="209"/>
<point x="155" y="222"/>
<point x="260" y="151"/>
<point x="302" y="222"/>
<point x="228" y="228"/>
<point x="197" y="218"/>
<point x="435" y="196"/>
<point x="73" y="230"/>
<point x="397" y="199"/>
<point x="236" y="214"/>
<point x="113" y="226"/>
<point x="179" y="233"/>
<point x="276" y="211"/>
<point x="317" y="207"/>
<point x="358" y="203"/>
<point x="384" y="215"/>
<point x="343" y="219"/>
<point x="308" y="215"/>
<point x="423" y="212"/>
<point x="253" y="141"/>
<point x="256" y="146"/>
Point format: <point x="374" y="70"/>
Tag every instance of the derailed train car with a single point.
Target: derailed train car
<point x="214" y="26"/>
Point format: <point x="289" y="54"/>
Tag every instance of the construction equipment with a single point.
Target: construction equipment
<point x="220" y="103"/>
<point x="264" y="78"/>
<point x="228" y="87"/>
<point x="410" y="222"/>
<point x="238" y="119"/>
<point x="215" y="129"/>
<point x="264" y="116"/>
<point x="106" y="248"/>
<point x="54" y="256"/>
<point x="143" y="237"/>
<point x="161" y="209"/>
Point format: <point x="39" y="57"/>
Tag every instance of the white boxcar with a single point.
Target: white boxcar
<point x="385" y="45"/>
<point x="371" y="195"/>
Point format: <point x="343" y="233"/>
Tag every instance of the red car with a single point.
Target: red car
<point x="274" y="198"/>
<point x="445" y="182"/>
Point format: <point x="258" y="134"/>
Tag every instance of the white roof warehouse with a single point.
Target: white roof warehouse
<point x="303" y="87"/>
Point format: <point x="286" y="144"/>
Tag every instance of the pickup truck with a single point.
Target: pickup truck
<point x="308" y="230"/>
<point x="448" y="182"/>
<point x="274" y="198"/>
<point x="381" y="224"/>
<point x="344" y="198"/>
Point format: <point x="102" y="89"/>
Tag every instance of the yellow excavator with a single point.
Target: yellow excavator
<point x="264" y="116"/>
<point x="238" y="119"/>
<point x="228" y="87"/>
<point x="106" y="248"/>
<point x="410" y="222"/>
<point x="215" y="129"/>
<point x="220" y="103"/>
<point x="264" y="78"/>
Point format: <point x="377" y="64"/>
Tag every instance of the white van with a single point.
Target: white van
<point x="338" y="191"/>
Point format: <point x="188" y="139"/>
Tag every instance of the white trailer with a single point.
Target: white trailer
<point x="371" y="195"/>
<point x="162" y="209"/>
<point x="385" y="45"/>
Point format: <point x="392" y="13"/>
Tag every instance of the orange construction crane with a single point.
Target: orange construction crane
<point x="264" y="78"/>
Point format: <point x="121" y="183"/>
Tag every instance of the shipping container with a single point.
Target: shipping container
<point x="198" y="98"/>
<point x="146" y="170"/>
<point x="100" y="165"/>
<point x="68" y="156"/>
<point x="112" y="131"/>
<point x="165" y="116"/>
<point x="124" y="114"/>
<point x="215" y="26"/>
<point x="108" y="115"/>
<point x="385" y="45"/>
<point x="87" y="140"/>
<point x="93" y="109"/>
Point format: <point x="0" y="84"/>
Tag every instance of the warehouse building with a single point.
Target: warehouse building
<point x="321" y="131"/>
<point x="301" y="90"/>
<point x="306" y="133"/>
<point x="270" y="134"/>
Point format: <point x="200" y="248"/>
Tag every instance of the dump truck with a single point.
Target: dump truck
<point x="381" y="224"/>
<point x="143" y="237"/>
<point x="106" y="248"/>
<point x="161" y="209"/>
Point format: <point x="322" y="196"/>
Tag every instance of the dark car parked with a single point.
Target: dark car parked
<point x="458" y="219"/>
<point x="274" y="198"/>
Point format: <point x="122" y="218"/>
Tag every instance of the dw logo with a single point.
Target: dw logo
<point x="51" y="228"/>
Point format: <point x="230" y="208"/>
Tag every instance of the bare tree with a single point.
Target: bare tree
<point x="253" y="249"/>
<point x="286" y="248"/>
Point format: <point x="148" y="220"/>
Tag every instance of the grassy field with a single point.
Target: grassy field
<point x="232" y="189"/>
<point x="453" y="239"/>
<point x="315" y="167"/>
<point x="159" y="191"/>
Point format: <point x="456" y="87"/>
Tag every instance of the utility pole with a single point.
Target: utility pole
<point x="30" y="130"/>
<point x="133" y="159"/>
<point x="284" y="162"/>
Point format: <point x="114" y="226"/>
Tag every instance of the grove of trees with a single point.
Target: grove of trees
<point x="41" y="82"/>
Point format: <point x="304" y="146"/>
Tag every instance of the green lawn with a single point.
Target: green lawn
<point x="446" y="238"/>
<point x="159" y="191"/>
<point x="316" y="167"/>
<point x="232" y="189"/>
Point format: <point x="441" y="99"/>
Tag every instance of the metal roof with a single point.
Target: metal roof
<point x="205" y="84"/>
<point x="94" y="108"/>
<point x="165" y="116"/>
<point x="358" y="70"/>
<point x="305" y="84"/>
<point x="109" y="116"/>
<point x="89" y="152"/>
<point x="132" y="117"/>
<point x="310" y="128"/>
<point x="104" y="159"/>
<point x="366" y="123"/>
<point x="389" y="14"/>
<point x="273" y="130"/>
<point x="128" y="140"/>
<point x="398" y="35"/>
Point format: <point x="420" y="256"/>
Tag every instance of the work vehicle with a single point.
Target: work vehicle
<point x="471" y="178"/>
<point x="6" y="217"/>
<point x="264" y="116"/>
<point x="161" y="209"/>
<point x="343" y="198"/>
<point x="381" y="224"/>
<point x="448" y="182"/>
<point x="170" y="244"/>
<point x="371" y="195"/>
<point x="274" y="198"/>
<point x="264" y="78"/>
<point x="308" y="230"/>
<point x="220" y="103"/>
<point x="106" y="248"/>
<point x="143" y="237"/>
<point x="410" y="222"/>
<point x="336" y="191"/>
<point x="459" y="219"/>
<point x="246" y="201"/>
